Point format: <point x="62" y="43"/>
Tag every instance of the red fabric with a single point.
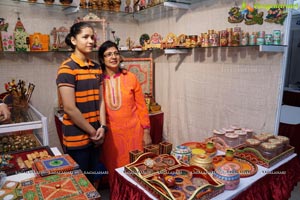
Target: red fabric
<point x="157" y="122"/>
<point x="293" y="132"/>
<point x="274" y="186"/>
<point x="123" y="189"/>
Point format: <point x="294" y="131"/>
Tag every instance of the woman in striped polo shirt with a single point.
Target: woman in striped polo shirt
<point x="78" y="82"/>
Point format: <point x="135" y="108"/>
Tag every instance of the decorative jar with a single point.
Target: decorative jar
<point x="182" y="153"/>
<point x="202" y="160"/>
<point x="227" y="175"/>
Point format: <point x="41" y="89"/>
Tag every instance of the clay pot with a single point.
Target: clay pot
<point x="229" y="154"/>
<point x="210" y="147"/>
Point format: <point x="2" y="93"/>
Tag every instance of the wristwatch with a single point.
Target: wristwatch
<point x="104" y="127"/>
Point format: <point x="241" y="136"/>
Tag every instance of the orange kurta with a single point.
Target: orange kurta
<point x="126" y="117"/>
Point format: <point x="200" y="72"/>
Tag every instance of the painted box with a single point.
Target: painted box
<point x="55" y="164"/>
<point x="39" y="42"/>
<point x="8" y="43"/>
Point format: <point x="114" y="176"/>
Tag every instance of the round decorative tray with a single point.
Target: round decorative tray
<point x="243" y="166"/>
<point x="199" y="148"/>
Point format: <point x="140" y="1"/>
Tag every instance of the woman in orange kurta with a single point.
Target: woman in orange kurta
<point x="126" y="112"/>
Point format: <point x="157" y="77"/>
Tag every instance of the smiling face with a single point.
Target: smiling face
<point x="112" y="59"/>
<point x="84" y="41"/>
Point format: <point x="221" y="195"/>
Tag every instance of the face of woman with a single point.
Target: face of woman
<point x="84" y="41"/>
<point x="112" y="58"/>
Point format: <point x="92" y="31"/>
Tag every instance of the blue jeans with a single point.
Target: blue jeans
<point x="87" y="159"/>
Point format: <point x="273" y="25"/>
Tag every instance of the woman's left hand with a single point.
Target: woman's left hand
<point x="98" y="139"/>
<point x="147" y="138"/>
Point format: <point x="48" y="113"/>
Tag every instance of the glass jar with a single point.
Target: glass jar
<point x="269" y="39"/>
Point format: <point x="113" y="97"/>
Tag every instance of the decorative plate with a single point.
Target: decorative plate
<point x="199" y="148"/>
<point x="243" y="166"/>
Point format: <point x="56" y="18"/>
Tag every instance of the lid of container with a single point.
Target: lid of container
<point x="201" y="159"/>
<point x="231" y="135"/>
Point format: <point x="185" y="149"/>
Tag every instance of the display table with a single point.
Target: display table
<point x="276" y="182"/>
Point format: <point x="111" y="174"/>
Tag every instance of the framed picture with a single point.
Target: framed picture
<point x="143" y="69"/>
<point x="59" y="36"/>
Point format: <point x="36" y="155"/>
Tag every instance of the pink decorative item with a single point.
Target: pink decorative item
<point x="8" y="43"/>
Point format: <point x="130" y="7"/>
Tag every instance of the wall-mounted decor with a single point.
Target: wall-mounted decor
<point x="143" y="69"/>
<point x="59" y="36"/>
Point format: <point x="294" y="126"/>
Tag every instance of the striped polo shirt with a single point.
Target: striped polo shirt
<point x="86" y="82"/>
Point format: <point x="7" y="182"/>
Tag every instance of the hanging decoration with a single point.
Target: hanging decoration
<point x="252" y="16"/>
<point x="246" y="13"/>
<point x="21" y="36"/>
<point x="276" y="15"/>
<point x="235" y="15"/>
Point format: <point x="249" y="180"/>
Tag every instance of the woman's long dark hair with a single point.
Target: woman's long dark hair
<point x="74" y="31"/>
<point x="106" y="45"/>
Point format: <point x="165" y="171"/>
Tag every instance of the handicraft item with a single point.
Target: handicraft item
<point x="199" y="148"/>
<point x="21" y="37"/>
<point x="22" y="161"/>
<point x="56" y="164"/>
<point x="143" y="69"/>
<point x="243" y="167"/>
<point x="167" y="178"/>
<point x="39" y="42"/>
<point x="73" y="185"/>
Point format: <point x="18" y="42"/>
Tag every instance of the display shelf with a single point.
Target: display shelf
<point x="272" y="48"/>
<point x="261" y="48"/>
<point x="178" y="51"/>
<point x="182" y="4"/>
<point x="36" y="121"/>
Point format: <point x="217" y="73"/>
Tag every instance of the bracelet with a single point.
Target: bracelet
<point x="104" y="127"/>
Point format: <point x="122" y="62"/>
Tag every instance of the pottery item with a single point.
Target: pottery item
<point x="203" y="161"/>
<point x="210" y="147"/>
<point x="65" y="2"/>
<point x="229" y="154"/>
<point x="227" y="175"/>
<point x="182" y="153"/>
<point x="232" y="139"/>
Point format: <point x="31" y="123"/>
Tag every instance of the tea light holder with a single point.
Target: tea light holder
<point x="154" y="148"/>
<point x="165" y="148"/>
<point x="133" y="155"/>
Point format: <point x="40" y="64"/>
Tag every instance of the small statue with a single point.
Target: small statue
<point x="129" y="43"/>
<point x="136" y="6"/>
<point x="3" y="25"/>
<point x="116" y="39"/>
<point x="128" y="8"/>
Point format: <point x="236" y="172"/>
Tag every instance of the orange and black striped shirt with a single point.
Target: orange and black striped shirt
<point x="86" y="82"/>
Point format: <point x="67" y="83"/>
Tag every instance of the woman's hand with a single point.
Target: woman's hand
<point x="147" y="138"/>
<point x="98" y="138"/>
